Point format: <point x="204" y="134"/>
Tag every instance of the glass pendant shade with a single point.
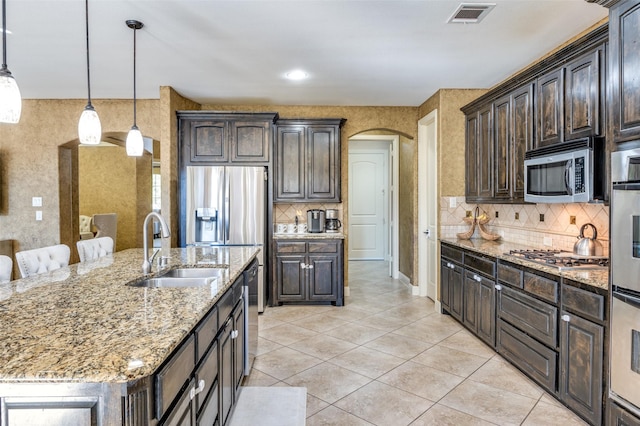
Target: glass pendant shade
<point x="89" y="127"/>
<point x="10" y="99"/>
<point x="135" y="144"/>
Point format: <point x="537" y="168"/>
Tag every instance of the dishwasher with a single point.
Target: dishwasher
<point x="250" y="298"/>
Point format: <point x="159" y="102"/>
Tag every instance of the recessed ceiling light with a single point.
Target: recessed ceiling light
<point x="296" y="75"/>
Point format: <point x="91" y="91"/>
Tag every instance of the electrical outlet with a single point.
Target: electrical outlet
<point x="38" y="214"/>
<point x="572" y="220"/>
<point x="541" y="217"/>
<point x="517" y="216"/>
<point x="497" y="214"/>
<point x="468" y="213"/>
<point x="547" y="241"/>
<point x="452" y="202"/>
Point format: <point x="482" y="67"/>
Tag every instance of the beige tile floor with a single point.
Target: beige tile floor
<point x="388" y="358"/>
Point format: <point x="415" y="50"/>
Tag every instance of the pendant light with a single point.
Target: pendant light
<point x="135" y="144"/>
<point x="10" y="99"/>
<point x="89" y="128"/>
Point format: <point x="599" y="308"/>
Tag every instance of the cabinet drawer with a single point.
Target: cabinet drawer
<point x="208" y="371"/>
<point x="323" y="247"/>
<point x="536" y="360"/>
<point x="451" y="253"/>
<point x="587" y="304"/>
<point x="536" y="318"/>
<point x="480" y="264"/>
<point x="291" y="247"/>
<point x="206" y="332"/>
<point x="173" y="377"/>
<point x="510" y="275"/>
<point x="542" y="287"/>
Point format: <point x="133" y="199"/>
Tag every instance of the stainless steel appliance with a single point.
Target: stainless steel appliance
<point x="315" y="220"/>
<point x="571" y="172"/>
<point x="562" y="260"/>
<point x="227" y="206"/>
<point x="625" y="285"/>
<point x="250" y="298"/>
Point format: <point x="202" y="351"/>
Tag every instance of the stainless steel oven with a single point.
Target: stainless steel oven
<point x="625" y="281"/>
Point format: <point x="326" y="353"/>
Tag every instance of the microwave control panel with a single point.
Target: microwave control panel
<point x="579" y="175"/>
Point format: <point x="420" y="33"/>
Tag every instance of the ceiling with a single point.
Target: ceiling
<point x="356" y="52"/>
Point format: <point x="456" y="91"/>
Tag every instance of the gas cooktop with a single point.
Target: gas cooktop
<point x="562" y="260"/>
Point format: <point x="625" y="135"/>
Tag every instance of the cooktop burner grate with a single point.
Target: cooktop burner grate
<point x="563" y="260"/>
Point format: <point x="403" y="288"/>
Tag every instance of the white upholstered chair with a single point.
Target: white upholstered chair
<point x="94" y="248"/>
<point x="41" y="260"/>
<point x="85" y="227"/>
<point x="107" y="225"/>
<point x="6" y="266"/>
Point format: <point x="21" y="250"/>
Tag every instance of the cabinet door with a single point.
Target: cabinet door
<point x="620" y="417"/>
<point x="290" y="276"/>
<point x="487" y="312"/>
<point x="581" y="357"/>
<point x="225" y="371"/>
<point x="183" y="414"/>
<point x="582" y="97"/>
<point x="445" y="286"/>
<point x="624" y="66"/>
<point x="322" y="273"/>
<point x="290" y="159"/>
<point x="238" y="346"/>
<point x="503" y="145"/>
<point x="323" y="159"/>
<point x="471" y="174"/>
<point x="522" y="129"/>
<point x="550" y="108"/>
<point x="250" y="141"/>
<point x="471" y="297"/>
<point x="485" y="153"/>
<point x="457" y="294"/>
<point x="208" y="141"/>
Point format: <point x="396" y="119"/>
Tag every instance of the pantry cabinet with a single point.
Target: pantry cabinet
<point x="307" y="161"/>
<point x="309" y="271"/>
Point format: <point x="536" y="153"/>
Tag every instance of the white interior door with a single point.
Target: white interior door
<point x="367" y="200"/>
<point x="428" y="206"/>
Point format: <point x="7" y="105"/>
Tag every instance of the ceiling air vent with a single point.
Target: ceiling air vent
<point x="471" y="13"/>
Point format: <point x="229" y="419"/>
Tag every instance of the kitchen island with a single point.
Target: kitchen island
<point x="79" y="342"/>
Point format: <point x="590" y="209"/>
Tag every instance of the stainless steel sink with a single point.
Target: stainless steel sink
<point x="194" y="272"/>
<point x="165" y="281"/>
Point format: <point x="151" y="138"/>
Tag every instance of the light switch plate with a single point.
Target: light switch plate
<point x="38" y="214"/>
<point x="36" y="202"/>
<point x="452" y="202"/>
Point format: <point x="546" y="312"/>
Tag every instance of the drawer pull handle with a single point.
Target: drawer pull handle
<point x="566" y="318"/>
<point x="194" y="391"/>
<point x="477" y="278"/>
<point x="498" y="287"/>
<point x="451" y="265"/>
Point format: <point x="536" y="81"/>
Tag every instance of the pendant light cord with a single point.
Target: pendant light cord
<point x="86" y="3"/>
<point x="4" y="35"/>
<point x="134" y="77"/>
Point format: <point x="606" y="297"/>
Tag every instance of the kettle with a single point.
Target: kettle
<point x="587" y="246"/>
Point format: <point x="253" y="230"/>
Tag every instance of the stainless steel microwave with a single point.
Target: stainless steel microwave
<point x="572" y="176"/>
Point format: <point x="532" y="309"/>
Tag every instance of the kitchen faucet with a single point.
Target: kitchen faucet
<point x="164" y="233"/>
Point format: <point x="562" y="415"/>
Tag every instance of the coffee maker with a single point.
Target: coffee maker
<point x="315" y="220"/>
<point x="332" y="223"/>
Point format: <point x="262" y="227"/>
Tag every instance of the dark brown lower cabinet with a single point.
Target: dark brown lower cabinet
<point x="451" y="294"/>
<point x="480" y="306"/>
<point x="309" y="271"/>
<point x="581" y="357"/>
<point x="618" y="416"/>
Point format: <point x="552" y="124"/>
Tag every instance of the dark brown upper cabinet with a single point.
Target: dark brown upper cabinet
<point x="550" y="100"/>
<point x="215" y="138"/>
<point x="584" y="93"/>
<point x="479" y="158"/>
<point x="307" y="160"/>
<point x="624" y="70"/>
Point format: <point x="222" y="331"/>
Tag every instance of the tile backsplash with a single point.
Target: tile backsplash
<point x="286" y="213"/>
<point x="536" y="224"/>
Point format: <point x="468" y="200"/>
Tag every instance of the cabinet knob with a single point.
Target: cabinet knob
<point x="310" y="266"/>
<point x="565" y="318"/>
<point x="477" y="278"/>
<point x="498" y="287"/>
<point x="234" y="334"/>
<point x="451" y="265"/>
<point x="303" y="265"/>
<point x="196" y="390"/>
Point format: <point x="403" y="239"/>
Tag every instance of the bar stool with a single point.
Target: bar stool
<point x="41" y="260"/>
<point x="6" y="266"/>
<point x="94" y="248"/>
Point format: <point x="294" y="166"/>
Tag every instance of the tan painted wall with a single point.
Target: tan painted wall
<point x="29" y="160"/>
<point x="400" y="120"/>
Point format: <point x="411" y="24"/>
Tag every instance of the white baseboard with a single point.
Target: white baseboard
<point x="403" y="278"/>
<point x="438" y="306"/>
<point x="347" y="291"/>
<point x="415" y="290"/>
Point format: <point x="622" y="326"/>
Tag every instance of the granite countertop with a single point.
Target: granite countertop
<point x="82" y="323"/>
<point x="498" y="249"/>
<point x="309" y="236"/>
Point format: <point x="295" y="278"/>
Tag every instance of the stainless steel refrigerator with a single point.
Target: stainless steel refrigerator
<point x="227" y="206"/>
